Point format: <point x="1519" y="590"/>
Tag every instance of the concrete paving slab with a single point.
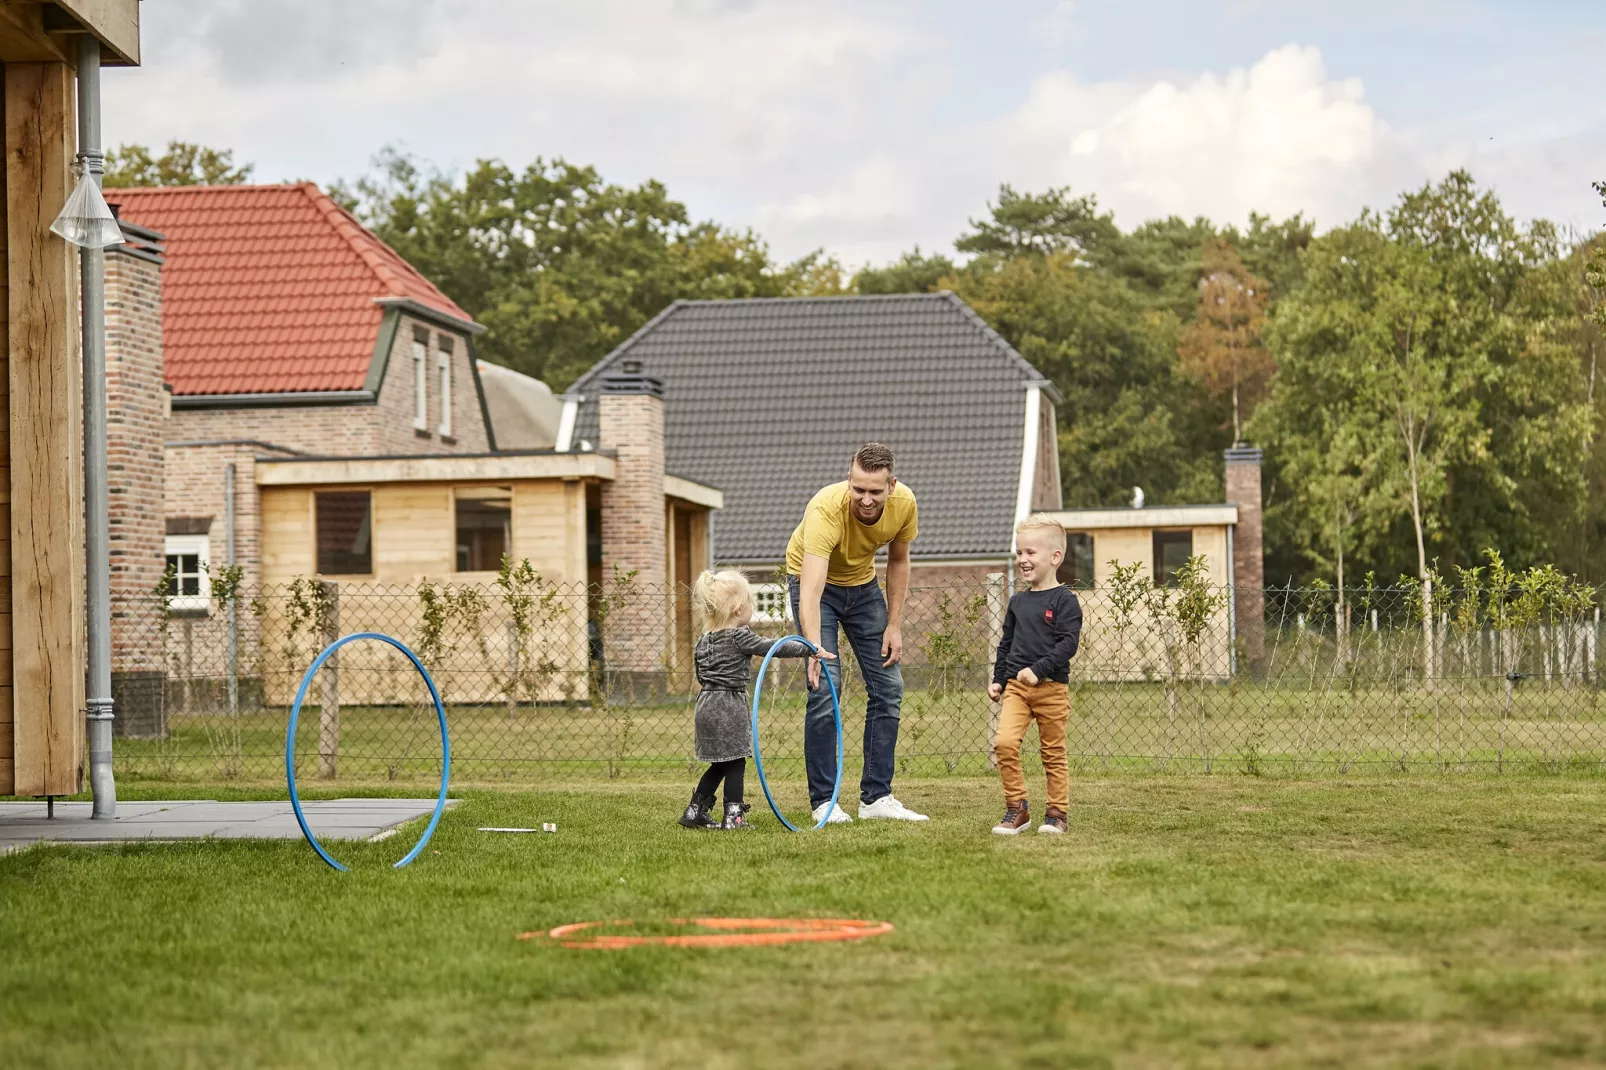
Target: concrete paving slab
<point x="25" y="823"/>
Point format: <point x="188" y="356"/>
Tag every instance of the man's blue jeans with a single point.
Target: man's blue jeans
<point x="862" y="614"/>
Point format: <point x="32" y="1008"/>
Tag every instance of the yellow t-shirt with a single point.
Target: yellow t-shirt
<point x="830" y="530"/>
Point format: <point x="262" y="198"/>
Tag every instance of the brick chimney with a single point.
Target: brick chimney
<point x="1248" y="561"/>
<point x="630" y="413"/>
<point x="136" y="407"/>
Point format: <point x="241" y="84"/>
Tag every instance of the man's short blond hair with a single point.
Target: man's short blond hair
<point x="1044" y="522"/>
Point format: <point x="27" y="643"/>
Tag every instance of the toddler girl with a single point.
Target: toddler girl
<point x="724" y="606"/>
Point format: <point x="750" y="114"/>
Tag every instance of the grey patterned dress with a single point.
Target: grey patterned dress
<point x="724" y="662"/>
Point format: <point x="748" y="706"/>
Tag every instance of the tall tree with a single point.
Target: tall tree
<point x="1442" y="324"/>
<point x="183" y="164"/>
<point x="1026" y="224"/>
<point x="912" y="273"/>
<point x="559" y="265"/>
<point x="1222" y="348"/>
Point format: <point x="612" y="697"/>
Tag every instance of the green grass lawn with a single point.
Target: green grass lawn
<point x="1184" y="922"/>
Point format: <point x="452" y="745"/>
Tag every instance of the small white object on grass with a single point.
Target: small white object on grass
<point x="549" y="826"/>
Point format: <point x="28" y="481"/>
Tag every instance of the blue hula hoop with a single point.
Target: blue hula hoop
<point x="290" y="744"/>
<point x="758" y="754"/>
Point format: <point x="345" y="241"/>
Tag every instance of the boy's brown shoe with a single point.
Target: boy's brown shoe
<point x="1016" y="820"/>
<point x="1053" y="823"/>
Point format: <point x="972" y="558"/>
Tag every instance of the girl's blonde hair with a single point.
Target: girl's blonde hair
<point x="717" y="596"/>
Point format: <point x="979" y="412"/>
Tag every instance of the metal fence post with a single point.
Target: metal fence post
<point x="234" y="599"/>
<point x="329" y="714"/>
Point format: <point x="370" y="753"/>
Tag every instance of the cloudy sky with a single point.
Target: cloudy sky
<point x="868" y="126"/>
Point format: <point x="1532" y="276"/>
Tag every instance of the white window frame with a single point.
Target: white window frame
<point x="201" y="547"/>
<point x="771" y="603"/>
<point x="420" y="384"/>
<point x="445" y="363"/>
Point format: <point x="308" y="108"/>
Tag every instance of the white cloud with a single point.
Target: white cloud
<point x="1279" y="137"/>
<point x="837" y="127"/>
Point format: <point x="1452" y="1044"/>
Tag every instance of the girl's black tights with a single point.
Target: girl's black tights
<point x="733" y="773"/>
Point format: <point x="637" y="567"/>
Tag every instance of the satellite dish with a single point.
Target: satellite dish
<point x="1137" y="497"/>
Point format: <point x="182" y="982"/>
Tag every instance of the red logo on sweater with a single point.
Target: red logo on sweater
<point x="1048" y="615"/>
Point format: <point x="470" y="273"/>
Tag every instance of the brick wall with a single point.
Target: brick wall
<point x="1248" y="563"/>
<point x="631" y="415"/>
<point x="136" y="423"/>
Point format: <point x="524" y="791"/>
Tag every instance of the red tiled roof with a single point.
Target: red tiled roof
<point x="269" y="288"/>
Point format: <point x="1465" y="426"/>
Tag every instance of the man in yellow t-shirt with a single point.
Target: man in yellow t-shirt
<point x="830" y="571"/>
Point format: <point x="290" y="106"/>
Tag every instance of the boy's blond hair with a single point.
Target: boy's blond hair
<point x="717" y="596"/>
<point x="1044" y="522"/>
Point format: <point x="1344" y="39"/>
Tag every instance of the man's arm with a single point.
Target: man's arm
<point x="897" y="588"/>
<point x="811" y="585"/>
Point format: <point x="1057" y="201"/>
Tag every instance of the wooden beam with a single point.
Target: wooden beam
<point x="115" y="23"/>
<point x="23" y="37"/>
<point x="7" y="713"/>
<point x="47" y="534"/>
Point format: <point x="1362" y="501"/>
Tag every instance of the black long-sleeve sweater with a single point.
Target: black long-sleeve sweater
<point x="1041" y="630"/>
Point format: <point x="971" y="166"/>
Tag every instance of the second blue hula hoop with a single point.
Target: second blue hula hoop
<point x="290" y="744"/>
<point x="836" y="711"/>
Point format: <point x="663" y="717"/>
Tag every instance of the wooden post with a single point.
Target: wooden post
<point x="329" y="713"/>
<point x="46" y="431"/>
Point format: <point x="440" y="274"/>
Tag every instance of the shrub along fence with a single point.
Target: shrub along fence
<point x="1501" y="672"/>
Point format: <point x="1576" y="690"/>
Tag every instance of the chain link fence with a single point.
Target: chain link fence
<point x="546" y="681"/>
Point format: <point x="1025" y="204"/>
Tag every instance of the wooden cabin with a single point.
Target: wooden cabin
<point x="373" y="531"/>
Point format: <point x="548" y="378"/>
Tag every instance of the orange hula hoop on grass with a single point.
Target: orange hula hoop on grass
<point x="773" y="931"/>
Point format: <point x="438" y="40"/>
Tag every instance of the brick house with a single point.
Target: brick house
<point x="335" y="390"/>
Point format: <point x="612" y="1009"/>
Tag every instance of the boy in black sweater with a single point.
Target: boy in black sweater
<point x="1041" y="630"/>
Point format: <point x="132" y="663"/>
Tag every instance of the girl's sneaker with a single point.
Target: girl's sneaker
<point x="700" y="813"/>
<point x="734" y="818"/>
<point x="1053" y="823"/>
<point x="1016" y="820"/>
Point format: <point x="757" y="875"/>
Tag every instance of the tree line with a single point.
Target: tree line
<point x="1426" y="379"/>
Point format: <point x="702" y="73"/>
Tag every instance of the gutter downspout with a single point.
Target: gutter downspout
<point x="1232" y="605"/>
<point x="92" y="263"/>
<point x="565" y="435"/>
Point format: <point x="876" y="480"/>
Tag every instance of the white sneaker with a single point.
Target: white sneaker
<point x="838" y="816"/>
<point x="888" y="807"/>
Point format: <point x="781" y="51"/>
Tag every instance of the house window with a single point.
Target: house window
<point x="188" y="585"/>
<point x="345" y="533"/>
<point x="484" y="527"/>
<point x="446" y="386"/>
<point x="769" y="603"/>
<point x="421" y="381"/>
<point x="1171" y="551"/>
<point x="1077" y="568"/>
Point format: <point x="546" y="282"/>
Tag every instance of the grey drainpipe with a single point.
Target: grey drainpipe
<point x="98" y="701"/>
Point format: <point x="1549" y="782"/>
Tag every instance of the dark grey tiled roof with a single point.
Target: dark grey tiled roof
<point x="767" y="400"/>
